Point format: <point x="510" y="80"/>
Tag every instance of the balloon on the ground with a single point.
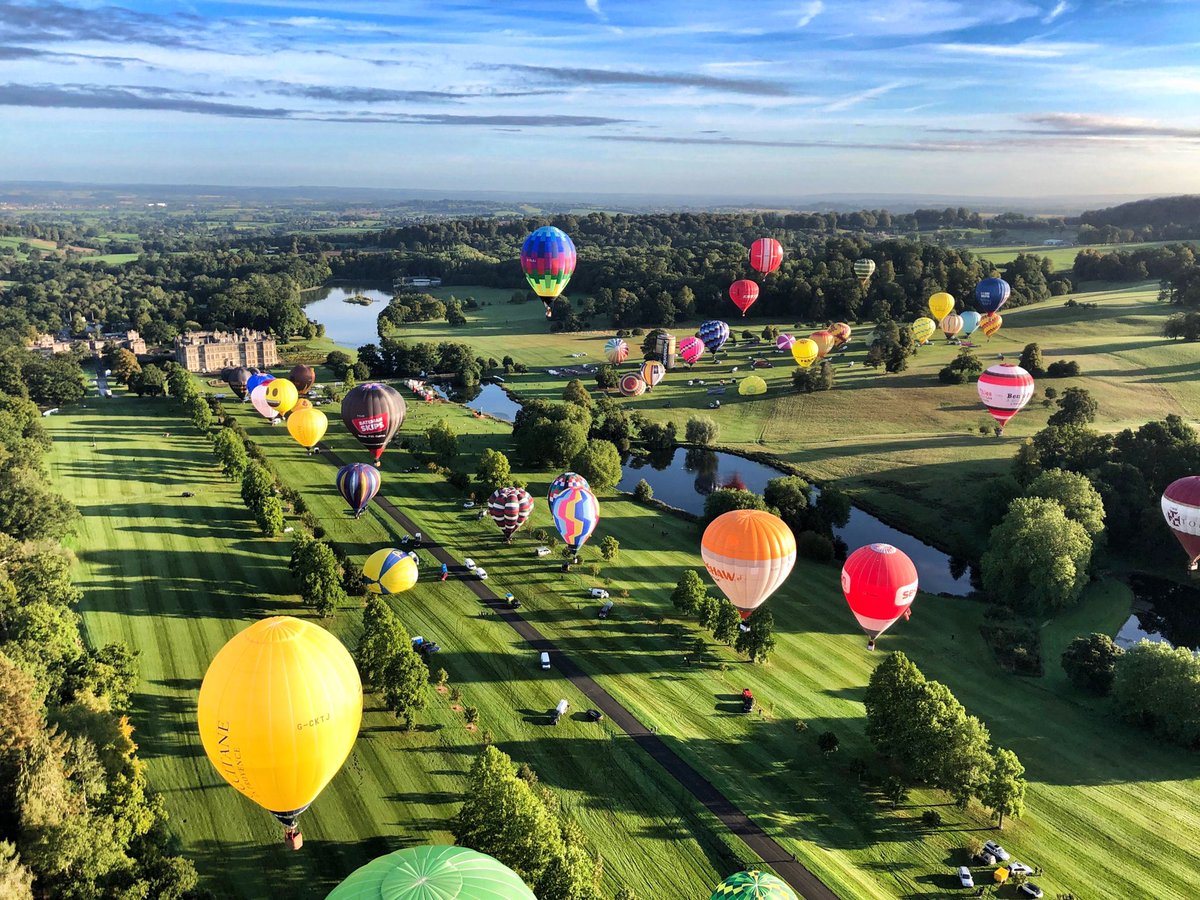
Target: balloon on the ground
<point x="576" y="513"/>
<point x="257" y="378"/>
<point x="510" y="508"/>
<point x="372" y="412"/>
<point x="302" y="377"/>
<point x="1004" y="390"/>
<point x="989" y="323"/>
<point x="564" y="482"/>
<point x="805" y="352"/>
<point x="923" y="329"/>
<point x="358" y="484"/>
<point x="753" y="885"/>
<point x="880" y="584"/>
<point x="1181" y="509"/>
<point x="952" y="325"/>
<point x="616" y="351"/>
<point x="765" y="255"/>
<point x="258" y="399"/>
<point x="991" y="294"/>
<point x="632" y="385"/>
<point x="714" y="334"/>
<point x="841" y="333"/>
<point x="652" y="372"/>
<point x="691" y="349"/>
<point x="752" y="386"/>
<point x="389" y="571"/>
<point x="784" y="342"/>
<point x="743" y="293"/>
<point x="970" y="321"/>
<point x="302" y="403"/>
<point x="278" y="712"/>
<point x="548" y="260"/>
<point x="749" y="554"/>
<point x="237" y="379"/>
<point x="941" y="305"/>
<point x="437" y="872"/>
<point x="864" y="269"/>
<point x="307" y="426"/>
<point x="824" y="341"/>
<point x="282" y="396"/>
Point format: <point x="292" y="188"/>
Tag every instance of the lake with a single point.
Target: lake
<point x="1163" y="611"/>
<point x="348" y="324"/>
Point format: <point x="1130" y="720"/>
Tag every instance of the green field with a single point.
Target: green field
<point x="1062" y="258"/>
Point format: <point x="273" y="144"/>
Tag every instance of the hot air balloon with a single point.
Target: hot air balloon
<point x="510" y="508"/>
<point x="563" y="482"/>
<point x="372" y="412"/>
<point x="805" y="352"/>
<point x="1181" y="509"/>
<point x="632" y="385"/>
<point x="880" y="584"/>
<point x="714" y="334"/>
<point x="237" y="380"/>
<point x="864" y="269"/>
<point x="389" y="571"/>
<point x="824" y="341"/>
<point x="576" y="513"/>
<point x="923" y="329"/>
<point x="1004" y="390"/>
<point x="358" y="484"/>
<point x="952" y="325"/>
<point x="743" y="293"/>
<point x="652" y="373"/>
<point x="989" y="323"/>
<point x="970" y="320"/>
<point x="691" y="349"/>
<point x="278" y="712"/>
<point x="438" y="872"/>
<point x="991" y="294"/>
<point x="548" y="260"/>
<point x="257" y="378"/>
<point x="784" y="342"/>
<point x="302" y="403"/>
<point x="941" y="305"/>
<point x="749" y="554"/>
<point x="616" y="351"/>
<point x="765" y="255"/>
<point x="841" y="333"/>
<point x="302" y="377"/>
<point x="752" y="386"/>
<point x="281" y="396"/>
<point x="753" y="885"/>
<point x="307" y="426"/>
<point x="258" y="399"/>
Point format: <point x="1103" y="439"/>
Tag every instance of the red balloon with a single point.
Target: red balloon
<point x="765" y="255"/>
<point x="880" y="583"/>
<point x="743" y="293"/>
<point x="1181" y="509"/>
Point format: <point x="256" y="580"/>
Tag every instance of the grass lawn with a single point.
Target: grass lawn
<point x="110" y="259"/>
<point x="1062" y="258"/>
<point x="177" y="577"/>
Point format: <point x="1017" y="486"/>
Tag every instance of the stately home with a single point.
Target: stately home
<point x="212" y="351"/>
<point x="93" y="345"/>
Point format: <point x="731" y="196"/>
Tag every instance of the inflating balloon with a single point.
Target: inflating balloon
<point x="438" y="872"/>
<point x="257" y="378"/>
<point x="743" y="293"/>
<point x="753" y="885"/>
<point x="576" y="513"/>
<point x="1004" y="390"/>
<point x="864" y="269"/>
<point x="616" y="351"/>
<point x="970" y="321"/>
<point x="714" y="334"/>
<point x="510" y="508"/>
<point x="373" y="412"/>
<point x="389" y="571"/>
<point x="749" y="554"/>
<point x="278" y="711"/>
<point x="989" y="323"/>
<point x="358" y="484"/>
<point x="237" y="380"/>
<point x="564" y="482"/>
<point x="691" y="349"/>
<point x="632" y="385"/>
<point x="841" y="333"/>
<point x="652" y="373"/>
<point x="784" y="342"/>
<point x="302" y="377"/>
<point x="991" y="294"/>
<point x="307" y="426"/>
<point x="880" y="584"/>
<point x="258" y="399"/>
<point x="805" y="352"/>
<point x="548" y="261"/>
<point x="941" y="305"/>
<point x="282" y="396"/>
<point x="824" y="341"/>
<point x="1181" y="509"/>
<point x="952" y="325"/>
<point x="923" y="329"/>
<point x="765" y="255"/>
<point x="752" y="386"/>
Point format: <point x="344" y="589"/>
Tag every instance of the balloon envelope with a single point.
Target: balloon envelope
<point x="714" y="334"/>
<point x="258" y="399"/>
<point x="372" y="412"/>
<point x="824" y="341"/>
<point x="237" y="380"/>
<point x="952" y="325"/>
<point x="970" y="321"/>
<point x="563" y="482"/>
<point x="652" y="372"/>
<point x="616" y="351"/>
<point x="880" y="583"/>
<point x="941" y="305"/>
<point x="753" y="885"/>
<point x="576" y="513"/>
<point x="256" y="379"/>
<point x="805" y="352"/>
<point x="278" y="712"/>
<point x="989" y="323"/>
<point x="841" y="333"/>
<point x="548" y="260"/>
<point x="358" y="483"/>
<point x="632" y="385"/>
<point x="864" y="268"/>
<point x="752" y="386"/>
<point x="991" y="294"/>
<point x="765" y="255"/>
<point x="281" y="396"/>
<point x="749" y="554"/>
<point x="302" y="377"/>
<point x="510" y="508"/>
<point x="1004" y="390"/>
<point x="1181" y="509"/>
<point x="923" y="329"/>
<point x="784" y="342"/>
<point x="691" y="349"/>
<point x="743" y="293"/>
<point x="389" y="571"/>
<point x="438" y="872"/>
<point x="307" y="426"/>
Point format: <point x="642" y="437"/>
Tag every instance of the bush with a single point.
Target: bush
<point x="816" y="547"/>
<point x="828" y="742"/>
<point x="643" y="493"/>
<point x="1063" y="368"/>
<point x="471" y="714"/>
<point x="702" y="431"/>
<point x="460" y="480"/>
<point x="931" y="818"/>
<point x="1090" y="663"/>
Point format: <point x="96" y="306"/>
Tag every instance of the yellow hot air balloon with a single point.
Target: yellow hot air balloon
<point x="282" y="396"/>
<point x="989" y="323"/>
<point x="279" y="711"/>
<point x="749" y="554"/>
<point x="941" y="305"/>
<point x="389" y="571"/>
<point x="923" y="329"/>
<point x="952" y="325"/>
<point x="752" y="386"/>
<point x="302" y="403"/>
<point x="307" y="426"/>
<point x="805" y="352"/>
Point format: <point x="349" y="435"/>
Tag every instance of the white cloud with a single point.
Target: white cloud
<point x="594" y="6"/>
<point x="1061" y="7"/>
<point x="808" y="12"/>
<point x="1027" y="50"/>
<point x="862" y="96"/>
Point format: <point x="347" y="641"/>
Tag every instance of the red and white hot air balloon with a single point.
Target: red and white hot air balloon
<point x="1004" y="390"/>
<point x="743" y="293"/>
<point x="765" y="255"/>
<point x="880" y="583"/>
<point x="1181" y="509"/>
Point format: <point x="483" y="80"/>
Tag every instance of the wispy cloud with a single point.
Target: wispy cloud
<point x="48" y="22"/>
<point x="594" y="6"/>
<point x="862" y="96"/>
<point x="586" y="77"/>
<point x="1026" y="50"/>
<point x="1085" y="125"/>
<point x="1059" y="8"/>
<point x="808" y="12"/>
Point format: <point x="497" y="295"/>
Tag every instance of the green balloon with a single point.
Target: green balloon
<point x="437" y="872"/>
<point x="753" y="885"/>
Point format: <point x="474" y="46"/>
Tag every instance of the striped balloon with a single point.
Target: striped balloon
<point x="824" y="341"/>
<point x="510" y="508"/>
<point x="1181" y="509"/>
<point x="951" y="325"/>
<point x="765" y="255"/>
<point x="864" y="269"/>
<point x="652" y="373"/>
<point x="576" y="513"/>
<point x="753" y="885"/>
<point x="1004" y="390"/>
<point x="923" y="329"/>
<point x="358" y="483"/>
<point x="633" y="385"/>
<point x="563" y="482"/>
<point x="989" y="323"/>
<point x="691" y="349"/>
<point x="714" y="334"/>
<point x="784" y="342"/>
<point x="616" y="351"/>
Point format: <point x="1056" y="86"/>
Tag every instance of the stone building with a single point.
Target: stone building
<point x="48" y="345"/>
<point x="212" y="351"/>
<point x="127" y="340"/>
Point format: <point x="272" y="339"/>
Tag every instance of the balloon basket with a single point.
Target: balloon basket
<point x="293" y="839"/>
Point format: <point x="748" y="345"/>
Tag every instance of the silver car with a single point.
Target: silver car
<point x="964" y="877"/>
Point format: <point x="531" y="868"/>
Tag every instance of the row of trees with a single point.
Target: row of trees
<point x="387" y="662"/>
<point x="720" y="617"/>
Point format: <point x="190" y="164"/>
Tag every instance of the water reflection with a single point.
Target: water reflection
<point x="1163" y="611"/>
<point x="348" y="324"/>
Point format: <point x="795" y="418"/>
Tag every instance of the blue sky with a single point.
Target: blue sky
<point x="751" y="98"/>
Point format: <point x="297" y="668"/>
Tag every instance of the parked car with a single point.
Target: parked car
<point x="1029" y="889"/>
<point x="1019" y="868"/>
<point x="189" y="494"/>
<point x="468" y="504"/>
<point x="558" y="712"/>
<point x="481" y="573"/>
<point x="964" y="877"/>
<point x="470" y="564"/>
<point x="542" y="551"/>
<point x="544" y="659"/>
<point x="599" y="592"/>
<point x="996" y="850"/>
<point x="605" y="609"/>
<point x="595" y="715"/>
<point x="747" y="700"/>
<point x="423" y="646"/>
<point x="511" y="601"/>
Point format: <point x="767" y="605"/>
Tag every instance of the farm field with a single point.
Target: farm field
<point x="1062" y="258"/>
<point x="177" y="577"/>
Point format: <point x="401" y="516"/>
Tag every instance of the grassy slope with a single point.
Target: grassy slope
<point x="1062" y="258"/>
<point x="176" y="577"/>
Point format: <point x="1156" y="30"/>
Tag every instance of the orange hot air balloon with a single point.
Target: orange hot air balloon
<point x="952" y="325"/>
<point x="989" y="323"/>
<point x="749" y="554"/>
<point x="824" y="341"/>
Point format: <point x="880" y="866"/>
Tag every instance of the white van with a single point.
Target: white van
<point x="545" y="659"/>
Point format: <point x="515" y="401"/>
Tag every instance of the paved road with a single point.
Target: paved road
<point x="765" y="847"/>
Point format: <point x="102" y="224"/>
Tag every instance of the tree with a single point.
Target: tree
<point x="725" y="628"/>
<point x="643" y="493"/>
<point x="896" y="360"/>
<point x="382" y="638"/>
<point x="443" y="442"/>
<point x="657" y="435"/>
<point x="828" y="743"/>
<point x="600" y="463"/>
<point x="702" y="431"/>
<point x="1075" y="494"/>
<point x="609" y="547"/>
<point x="895" y="790"/>
<point x="151" y="381"/>
<point x="230" y="451"/>
<point x="791" y="495"/>
<point x="454" y="314"/>
<point x="759" y="641"/>
<point x="1075" y="407"/>
<point x="1062" y="368"/>
<point x="405" y="685"/>
<point x="16" y="881"/>
<point x="29" y="511"/>
<point x="494" y="471"/>
<point x="607" y="378"/>
<point x="52" y="380"/>
<point x="125" y="366"/>
<point x="963" y="368"/>
<point x="320" y="576"/>
<point x="110" y="671"/>
<point x="339" y="363"/>
<point x="576" y="392"/>
<point x="1004" y="790"/>
<point x="201" y="414"/>
<point x="1090" y="662"/>
<point x="1031" y="360"/>
<point x="727" y="499"/>
<point x="689" y="592"/>
<point x="1157" y="686"/>
<point x="1037" y="559"/>
<point x="180" y="384"/>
